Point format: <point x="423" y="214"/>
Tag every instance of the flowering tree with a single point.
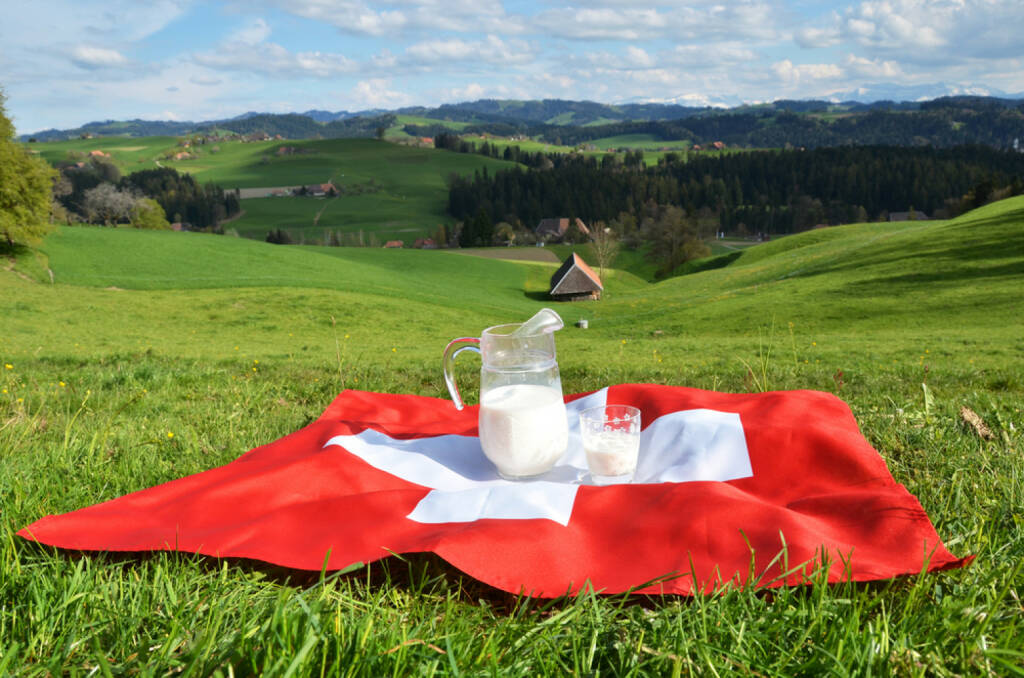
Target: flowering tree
<point x="107" y="204"/>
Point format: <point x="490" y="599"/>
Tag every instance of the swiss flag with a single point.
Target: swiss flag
<point x="751" y="489"/>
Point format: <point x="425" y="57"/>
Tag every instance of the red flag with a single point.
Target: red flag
<point x="729" y="488"/>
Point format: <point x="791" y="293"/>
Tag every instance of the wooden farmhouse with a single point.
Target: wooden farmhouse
<point x="575" y="281"/>
<point x="555" y="229"/>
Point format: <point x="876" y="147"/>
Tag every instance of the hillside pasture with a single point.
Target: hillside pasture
<point x="643" y="142"/>
<point x="156" y="355"/>
<point x="129" y="154"/>
<point x="389" y="190"/>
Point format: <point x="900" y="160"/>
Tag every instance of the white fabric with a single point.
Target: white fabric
<point x="678" y="447"/>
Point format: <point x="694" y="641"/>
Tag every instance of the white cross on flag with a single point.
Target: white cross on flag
<point x="725" y="482"/>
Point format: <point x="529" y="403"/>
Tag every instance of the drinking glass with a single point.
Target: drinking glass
<point x="611" y="441"/>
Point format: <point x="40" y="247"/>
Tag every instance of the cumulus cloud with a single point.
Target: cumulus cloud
<point x="252" y="33"/>
<point x="377" y="93"/>
<point x="905" y="23"/>
<point x="816" y="37"/>
<point x="395" y="17"/>
<point x="638" y="57"/>
<point x="872" y="68"/>
<point x="246" y="49"/>
<point x="923" y="31"/>
<point x="792" y="74"/>
<point x="693" y="21"/>
<point x="97" y="57"/>
<point x="492" y="50"/>
<point x="709" y="56"/>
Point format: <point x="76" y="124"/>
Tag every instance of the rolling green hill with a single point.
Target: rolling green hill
<point x="388" y="190"/>
<point x="130" y="154"/>
<point x="154" y="355"/>
<point x="875" y="287"/>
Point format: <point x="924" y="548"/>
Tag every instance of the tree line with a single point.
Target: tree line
<point x="94" y="191"/>
<point x="774" y="192"/>
<point x="941" y="124"/>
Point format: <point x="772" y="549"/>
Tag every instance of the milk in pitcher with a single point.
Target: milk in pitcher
<point x="523" y="428"/>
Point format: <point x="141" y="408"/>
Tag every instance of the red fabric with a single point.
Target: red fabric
<point x="817" y="484"/>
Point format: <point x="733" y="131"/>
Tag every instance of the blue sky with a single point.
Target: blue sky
<point x="67" y="62"/>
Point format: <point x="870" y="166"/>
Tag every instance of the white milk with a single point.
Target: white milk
<point x="523" y="428"/>
<point x="611" y="453"/>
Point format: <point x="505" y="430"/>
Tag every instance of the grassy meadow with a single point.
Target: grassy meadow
<point x="389" y="191"/>
<point x="130" y="154"/>
<point x="149" y="356"/>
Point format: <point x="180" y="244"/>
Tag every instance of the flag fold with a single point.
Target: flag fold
<point x="748" y="489"/>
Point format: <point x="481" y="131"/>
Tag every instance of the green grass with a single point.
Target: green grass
<point x="389" y="190"/>
<point x="402" y="120"/>
<point x="229" y="344"/>
<point x="130" y="154"/>
<point x="646" y="142"/>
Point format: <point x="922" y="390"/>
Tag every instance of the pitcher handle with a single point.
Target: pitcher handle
<point x="448" y="363"/>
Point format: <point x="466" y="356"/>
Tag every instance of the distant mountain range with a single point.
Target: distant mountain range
<point x="964" y="118"/>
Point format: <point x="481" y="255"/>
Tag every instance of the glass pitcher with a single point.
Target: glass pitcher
<point x="523" y="424"/>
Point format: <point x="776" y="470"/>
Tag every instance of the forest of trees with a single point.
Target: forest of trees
<point x="940" y="126"/>
<point x="201" y="206"/>
<point x="941" y="123"/>
<point x="94" y="191"/>
<point x="773" y="192"/>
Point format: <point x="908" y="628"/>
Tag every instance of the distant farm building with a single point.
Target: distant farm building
<point x="912" y="215"/>
<point x="318" y="190"/>
<point x="425" y="244"/>
<point x="575" y="281"/>
<point x="555" y="229"/>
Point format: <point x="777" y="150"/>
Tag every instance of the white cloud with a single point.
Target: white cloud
<point x="792" y="74"/>
<point x="751" y="19"/>
<point x="602" y="24"/>
<point x="97" y="57"/>
<point x="492" y="50"/>
<point x="710" y="56"/>
<point x="394" y="17"/>
<point x="205" y="80"/>
<point x="246" y="50"/>
<point x="377" y="93"/>
<point x="638" y="58"/>
<point x="276" y="61"/>
<point x="817" y="37"/>
<point x="872" y="68"/>
<point x="252" y="33"/>
<point x="923" y="31"/>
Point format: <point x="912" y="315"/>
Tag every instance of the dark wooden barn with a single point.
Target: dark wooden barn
<point x="575" y="281"/>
